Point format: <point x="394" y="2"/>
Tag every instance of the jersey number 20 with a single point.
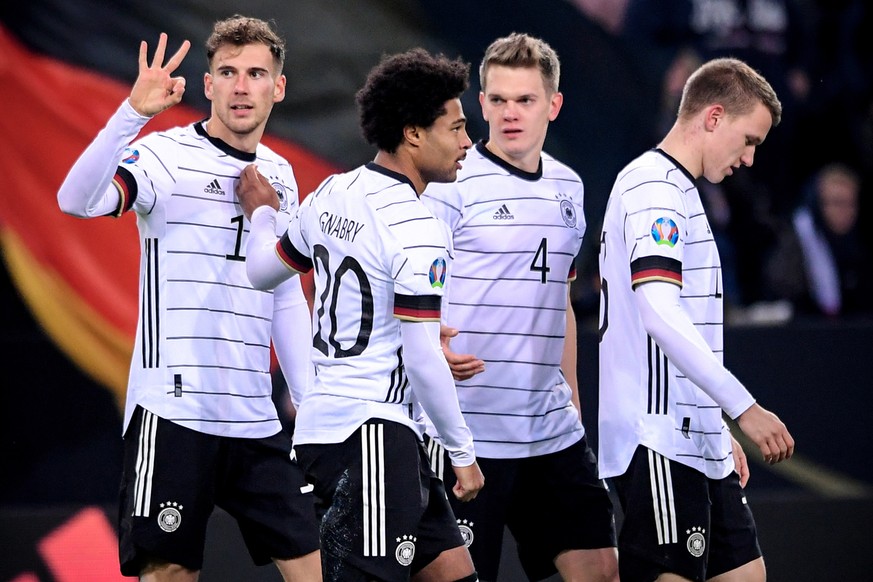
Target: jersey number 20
<point x="329" y="301"/>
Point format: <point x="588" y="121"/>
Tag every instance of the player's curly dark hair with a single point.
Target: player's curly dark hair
<point x="409" y="88"/>
<point x="240" y="31"/>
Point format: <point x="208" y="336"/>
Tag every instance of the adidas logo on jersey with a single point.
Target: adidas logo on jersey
<point x="214" y="188"/>
<point x="503" y="213"/>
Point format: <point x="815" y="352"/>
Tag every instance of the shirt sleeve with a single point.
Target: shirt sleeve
<point x="672" y="329"/>
<point x="291" y="330"/>
<point x="93" y="186"/>
<point x="654" y="237"/>
<point x="265" y="265"/>
<point x="434" y="388"/>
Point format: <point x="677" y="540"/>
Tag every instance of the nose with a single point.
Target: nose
<point x="509" y="111"/>
<point x="241" y="84"/>
<point x="748" y="156"/>
<point x="466" y="142"/>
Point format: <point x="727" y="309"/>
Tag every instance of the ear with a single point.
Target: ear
<point x="207" y="85"/>
<point x="713" y="116"/>
<point x="412" y="134"/>
<point x="482" y="104"/>
<point x="279" y="89"/>
<point x="555" y="103"/>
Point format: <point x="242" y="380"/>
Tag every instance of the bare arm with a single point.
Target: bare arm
<point x="568" y="357"/>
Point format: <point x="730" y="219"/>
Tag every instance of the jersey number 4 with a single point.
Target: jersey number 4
<point x="540" y="262"/>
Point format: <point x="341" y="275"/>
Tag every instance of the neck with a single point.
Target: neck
<point x="246" y="142"/>
<point x="681" y="144"/>
<point x="396" y="162"/>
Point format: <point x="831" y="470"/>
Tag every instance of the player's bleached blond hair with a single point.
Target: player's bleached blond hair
<point x="519" y="50"/>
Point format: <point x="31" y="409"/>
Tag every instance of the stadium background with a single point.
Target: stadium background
<point x="68" y="290"/>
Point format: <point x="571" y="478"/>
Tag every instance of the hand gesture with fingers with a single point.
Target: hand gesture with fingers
<point x="155" y="88"/>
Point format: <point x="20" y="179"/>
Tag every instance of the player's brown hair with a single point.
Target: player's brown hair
<point x="240" y="31"/>
<point x="731" y="83"/>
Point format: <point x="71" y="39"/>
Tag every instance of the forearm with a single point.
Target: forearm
<point x="434" y="388"/>
<point x="87" y="190"/>
<point x="668" y="324"/>
<point x="292" y="337"/>
<point x="569" y="356"/>
<point x="263" y="266"/>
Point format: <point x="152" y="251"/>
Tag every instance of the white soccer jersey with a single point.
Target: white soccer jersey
<point x="515" y="237"/>
<point x="379" y="256"/>
<point x="202" y="352"/>
<point x="655" y="229"/>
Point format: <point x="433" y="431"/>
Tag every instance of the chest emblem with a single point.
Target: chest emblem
<point x="568" y="213"/>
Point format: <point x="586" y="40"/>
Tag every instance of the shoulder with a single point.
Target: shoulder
<point x="652" y="170"/>
<point x="553" y="169"/>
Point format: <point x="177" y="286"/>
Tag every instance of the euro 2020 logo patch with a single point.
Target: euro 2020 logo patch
<point x="130" y="156"/>
<point x="665" y="232"/>
<point x="437" y="273"/>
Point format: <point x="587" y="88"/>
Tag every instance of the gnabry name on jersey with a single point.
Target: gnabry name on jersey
<point x="339" y="226"/>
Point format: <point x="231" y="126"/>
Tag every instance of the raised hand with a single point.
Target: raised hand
<point x="155" y="88"/>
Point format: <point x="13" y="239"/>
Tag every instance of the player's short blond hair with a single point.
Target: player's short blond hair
<point x="520" y="50"/>
<point x="731" y="83"/>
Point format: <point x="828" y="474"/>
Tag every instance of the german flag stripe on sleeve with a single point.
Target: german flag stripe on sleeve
<point x="417" y="307"/>
<point x="125" y="183"/>
<point x="655" y="268"/>
<point x="292" y="258"/>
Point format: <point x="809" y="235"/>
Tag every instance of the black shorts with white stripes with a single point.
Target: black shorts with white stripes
<point x="677" y="520"/>
<point x="550" y="503"/>
<point x="173" y="477"/>
<point x="385" y="513"/>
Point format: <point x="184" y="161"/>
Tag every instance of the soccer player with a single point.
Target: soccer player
<point x="380" y="260"/>
<point x="201" y="429"/>
<point x="517" y="224"/>
<point x="663" y="385"/>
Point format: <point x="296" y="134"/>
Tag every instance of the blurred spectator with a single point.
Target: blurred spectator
<point x="667" y="36"/>
<point x="607" y="13"/>
<point x="821" y="264"/>
<point x="840" y="105"/>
